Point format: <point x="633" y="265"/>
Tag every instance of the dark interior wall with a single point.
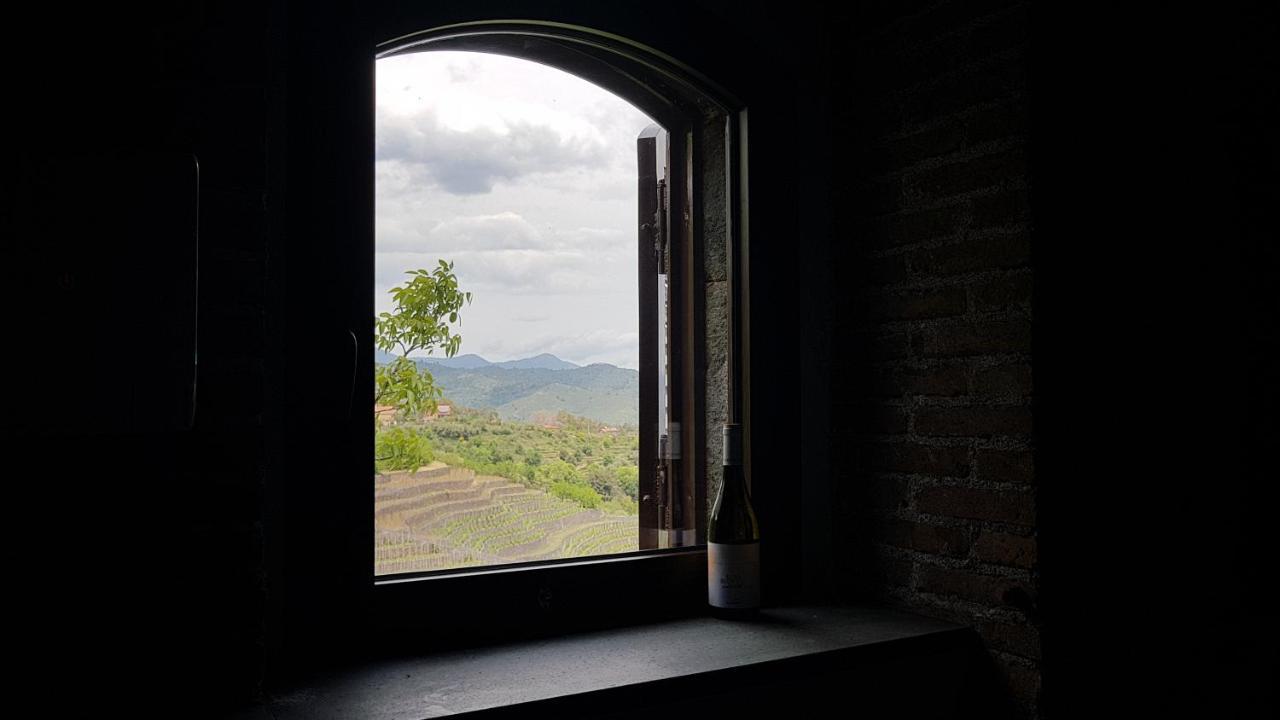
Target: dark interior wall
<point x="1135" y="183"/>
<point x="1154" y="168"/>
<point x="135" y="556"/>
<point x="1054" y="346"/>
<point x="933" y="382"/>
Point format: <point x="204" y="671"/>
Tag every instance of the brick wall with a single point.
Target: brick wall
<point x="936" y="505"/>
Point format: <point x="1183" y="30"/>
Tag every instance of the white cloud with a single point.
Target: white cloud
<point x="506" y="252"/>
<point x="504" y="231"/>
<point x="524" y="177"/>
<point x="466" y="162"/>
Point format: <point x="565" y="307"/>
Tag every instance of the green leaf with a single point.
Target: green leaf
<point x="417" y="323"/>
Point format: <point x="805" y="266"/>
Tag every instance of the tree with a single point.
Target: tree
<point x="401" y="449"/>
<point x="425" y="309"/>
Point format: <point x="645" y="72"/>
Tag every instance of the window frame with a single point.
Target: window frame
<point x="557" y="595"/>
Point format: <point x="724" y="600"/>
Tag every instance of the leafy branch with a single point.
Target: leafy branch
<point x="425" y="309"/>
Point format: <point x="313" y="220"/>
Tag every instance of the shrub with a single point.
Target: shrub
<point x="628" y="479"/>
<point x="401" y="448"/>
<point x="559" y="471"/>
<point x="581" y="494"/>
<point x="600" y="479"/>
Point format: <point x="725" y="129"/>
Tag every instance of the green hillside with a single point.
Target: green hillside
<point x="601" y="392"/>
<point x="610" y="407"/>
<point x="536" y="387"/>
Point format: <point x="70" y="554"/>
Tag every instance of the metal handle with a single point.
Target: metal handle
<point x="355" y="364"/>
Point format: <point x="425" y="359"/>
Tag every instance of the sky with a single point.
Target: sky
<point x="524" y="177"/>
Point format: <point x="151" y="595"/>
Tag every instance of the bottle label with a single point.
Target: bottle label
<point x="733" y="575"/>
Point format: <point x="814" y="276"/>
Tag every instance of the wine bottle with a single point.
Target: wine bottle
<point x="733" y="538"/>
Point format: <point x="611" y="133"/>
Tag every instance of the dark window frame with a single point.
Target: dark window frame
<point x="535" y="598"/>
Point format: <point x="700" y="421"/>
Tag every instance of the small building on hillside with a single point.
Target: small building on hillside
<point x="441" y="411"/>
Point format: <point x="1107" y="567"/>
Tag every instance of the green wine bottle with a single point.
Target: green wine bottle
<point x="733" y="538"/>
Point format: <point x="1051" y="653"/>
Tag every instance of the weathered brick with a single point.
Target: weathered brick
<point x="1005" y="549"/>
<point x="1004" y="381"/>
<point x="915" y="227"/>
<point x="1003" y="294"/>
<point x="916" y="305"/>
<point x="883" y="117"/>
<point x="1003" y="251"/>
<point x="974" y="421"/>
<point x="968" y="339"/>
<point x="1002" y="122"/>
<point x="975" y="504"/>
<point x="941" y="381"/>
<point x="1001" y="209"/>
<point x="903" y="152"/>
<point x="1023" y="682"/>
<point x="965" y="89"/>
<point x="1003" y="32"/>
<point x="926" y="60"/>
<point x="876" y="15"/>
<point x="1012" y="466"/>
<point x="927" y="538"/>
<point x="1022" y="640"/>
<point x="917" y="459"/>
<point x="968" y="175"/>
<point x="945" y="17"/>
<point x="988" y="590"/>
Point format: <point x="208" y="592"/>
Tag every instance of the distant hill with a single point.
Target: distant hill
<point x="545" y="361"/>
<point x="470" y="360"/>
<point x="521" y="389"/>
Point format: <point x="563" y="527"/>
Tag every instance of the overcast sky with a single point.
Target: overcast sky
<point x="524" y="177"/>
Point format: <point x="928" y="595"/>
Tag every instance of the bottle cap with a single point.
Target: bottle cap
<point x="732" y="444"/>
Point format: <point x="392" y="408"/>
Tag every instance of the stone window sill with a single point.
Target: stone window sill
<point x="688" y="664"/>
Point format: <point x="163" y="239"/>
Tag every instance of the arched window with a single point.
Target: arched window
<point x="688" y="227"/>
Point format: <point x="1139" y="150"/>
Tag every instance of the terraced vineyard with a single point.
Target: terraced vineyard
<point x="444" y="517"/>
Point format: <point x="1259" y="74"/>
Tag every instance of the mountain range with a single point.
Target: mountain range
<point x="521" y="389"/>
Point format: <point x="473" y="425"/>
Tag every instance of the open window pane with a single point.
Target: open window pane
<point x="508" y="412"/>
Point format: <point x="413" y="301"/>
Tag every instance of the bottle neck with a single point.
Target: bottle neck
<point x="734" y="479"/>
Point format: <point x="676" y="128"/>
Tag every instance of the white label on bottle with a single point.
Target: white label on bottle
<point x="733" y="575"/>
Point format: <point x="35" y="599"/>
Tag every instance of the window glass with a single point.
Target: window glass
<point x="507" y="398"/>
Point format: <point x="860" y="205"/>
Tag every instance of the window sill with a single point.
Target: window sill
<point x="696" y="663"/>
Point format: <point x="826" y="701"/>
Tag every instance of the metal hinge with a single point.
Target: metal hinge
<point x="660" y="227"/>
